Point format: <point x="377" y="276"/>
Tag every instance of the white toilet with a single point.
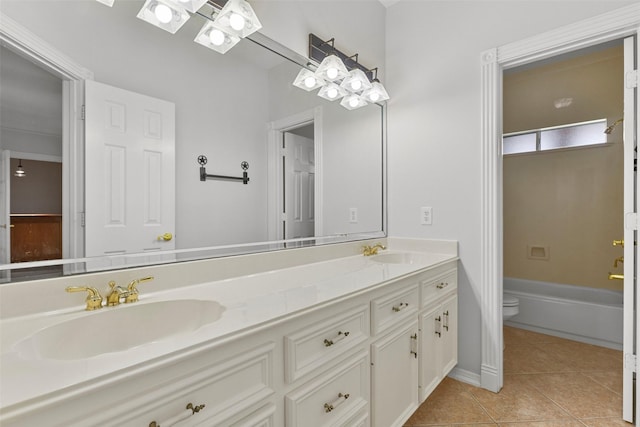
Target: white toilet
<point x="510" y="307"/>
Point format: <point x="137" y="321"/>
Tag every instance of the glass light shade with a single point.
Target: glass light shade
<point x="332" y="91"/>
<point x="377" y="93"/>
<point x="164" y="14"/>
<point x="356" y="82"/>
<point x="107" y="2"/>
<point x="215" y="38"/>
<point x="307" y="80"/>
<point x="331" y="69"/>
<point x="352" y="102"/>
<point x="237" y="17"/>
<point x="20" y="173"/>
<point x="191" y="5"/>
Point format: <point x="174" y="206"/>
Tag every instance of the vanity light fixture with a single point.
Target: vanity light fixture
<point x="339" y="76"/>
<point x="331" y="91"/>
<point x="107" y="2"/>
<point x="20" y="173"/>
<point x="308" y="80"/>
<point x="164" y="14"/>
<point x="237" y="17"/>
<point x="356" y="82"/>
<point x="191" y="5"/>
<point x="353" y="101"/>
<point x="216" y="38"/>
<point x="332" y="69"/>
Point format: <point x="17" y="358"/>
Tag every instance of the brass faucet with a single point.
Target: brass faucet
<point x="117" y="292"/>
<point x="94" y="299"/>
<point x="372" y="250"/>
<point x="132" y="290"/>
<point x="616" y="276"/>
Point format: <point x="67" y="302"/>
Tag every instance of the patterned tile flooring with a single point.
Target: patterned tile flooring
<point x="548" y="382"/>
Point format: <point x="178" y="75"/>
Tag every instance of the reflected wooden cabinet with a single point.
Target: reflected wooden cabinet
<point x="36" y="237"/>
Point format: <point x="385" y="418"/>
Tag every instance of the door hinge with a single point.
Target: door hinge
<point x="631" y="79"/>
<point x="631" y="221"/>
<point x="630" y="362"/>
<point x="283" y="216"/>
<point x="83" y="113"/>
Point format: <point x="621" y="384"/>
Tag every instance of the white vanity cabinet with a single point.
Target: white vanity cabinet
<point x="394" y="363"/>
<point x="438" y="320"/>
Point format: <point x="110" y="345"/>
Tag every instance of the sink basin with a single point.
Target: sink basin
<point x="121" y="328"/>
<point x="402" y="258"/>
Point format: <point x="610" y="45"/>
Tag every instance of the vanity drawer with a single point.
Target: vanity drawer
<point x="433" y="288"/>
<point x="337" y="398"/>
<point x="393" y="308"/>
<point x="318" y="344"/>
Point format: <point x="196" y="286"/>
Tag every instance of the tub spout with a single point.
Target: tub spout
<point x="616" y="276"/>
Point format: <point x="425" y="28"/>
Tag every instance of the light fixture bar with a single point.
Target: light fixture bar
<point x="320" y="49"/>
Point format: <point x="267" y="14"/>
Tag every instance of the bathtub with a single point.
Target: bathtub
<point x="579" y="313"/>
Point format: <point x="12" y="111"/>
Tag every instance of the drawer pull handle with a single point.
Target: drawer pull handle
<point x="438" y="326"/>
<point x="442" y="285"/>
<point x="328" y="407"/>
<point x="445" y="322"/>
<point x="399" y="307"/>
<point x="414" y="345"/>
<point x="189" y="411"/>
<point x="340" y="337"/>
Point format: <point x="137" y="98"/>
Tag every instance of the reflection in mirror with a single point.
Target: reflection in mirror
<point x="316" y="169"/>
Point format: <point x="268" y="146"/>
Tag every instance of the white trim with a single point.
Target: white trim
<point x="612" y="25"/>
<point x="465" y="376"/>
<point x="28" y="45"/>
<point x="35" y="156"/>
<point x="274" y="172"/>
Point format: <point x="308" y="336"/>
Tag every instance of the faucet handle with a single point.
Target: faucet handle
<point x="116" y="293"/>
<point x="94" y="299"/>
<point x="132" y="290"/>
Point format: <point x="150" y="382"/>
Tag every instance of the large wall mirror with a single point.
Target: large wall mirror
<point x="316" y="170"/>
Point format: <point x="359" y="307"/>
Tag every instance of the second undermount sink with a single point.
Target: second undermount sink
<point x="118" y="329"/>
<point x="402" y="258"/>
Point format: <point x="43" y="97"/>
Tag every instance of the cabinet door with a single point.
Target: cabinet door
<point x="449" y="313"/>
<point x="394" y="376"/>
<point x="430" y="354"/>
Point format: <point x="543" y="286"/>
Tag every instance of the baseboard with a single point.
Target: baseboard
<point x="465" y="376"/>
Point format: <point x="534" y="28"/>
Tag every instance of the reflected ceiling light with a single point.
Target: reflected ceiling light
<point x="332" y="91"/>
<point x="20" y="173"/>
<point x="307" y="80"/>
<point x="164" y="14"/>
<point x="353" y="101"/>
<point x="332" y="68"/>
<point x="214" y="37"/>
<point x="237" y="17"/>
<point x="191" y="5"/>
<point x="107" y="2"/>
<point x="356" y="82"/>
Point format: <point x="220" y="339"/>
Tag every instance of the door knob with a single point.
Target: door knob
<point x="165" y="237"/>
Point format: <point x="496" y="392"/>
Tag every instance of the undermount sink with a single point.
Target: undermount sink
<point x="401" y="258"/>
<point x="118" y="329"/>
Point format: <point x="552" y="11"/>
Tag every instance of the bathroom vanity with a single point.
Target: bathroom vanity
<point x="349" y="340"/>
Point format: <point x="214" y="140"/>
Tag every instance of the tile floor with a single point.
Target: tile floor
<point x="548" y="382"/>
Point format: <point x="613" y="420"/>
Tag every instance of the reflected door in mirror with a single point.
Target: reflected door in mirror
<point x="299" y="184"/>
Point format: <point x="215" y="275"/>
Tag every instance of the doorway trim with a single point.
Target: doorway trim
<point x="275" y="174"/>
<point x="609" y="26"/>
<point x="31" y="47"/>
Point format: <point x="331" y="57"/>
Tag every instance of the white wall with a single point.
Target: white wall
<point x="433" y="76"/>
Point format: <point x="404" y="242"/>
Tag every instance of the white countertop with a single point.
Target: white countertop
<point x="250" y="302"/>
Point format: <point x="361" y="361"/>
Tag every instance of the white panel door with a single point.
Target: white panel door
<point x="130" y="171"/>
<point x="631" y="187"/>
<point x="299" y="185"/>
<point x="5" y="219"/>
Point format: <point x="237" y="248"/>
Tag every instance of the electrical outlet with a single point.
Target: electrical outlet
<point x="426" y="215"/>
<point x="353" y="215"/>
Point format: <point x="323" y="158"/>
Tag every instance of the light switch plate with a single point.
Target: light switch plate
<point x="426" y="215"/>
<point x="353" y="215"/>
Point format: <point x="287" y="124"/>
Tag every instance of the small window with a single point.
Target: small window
<point x="566" y="136"/>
